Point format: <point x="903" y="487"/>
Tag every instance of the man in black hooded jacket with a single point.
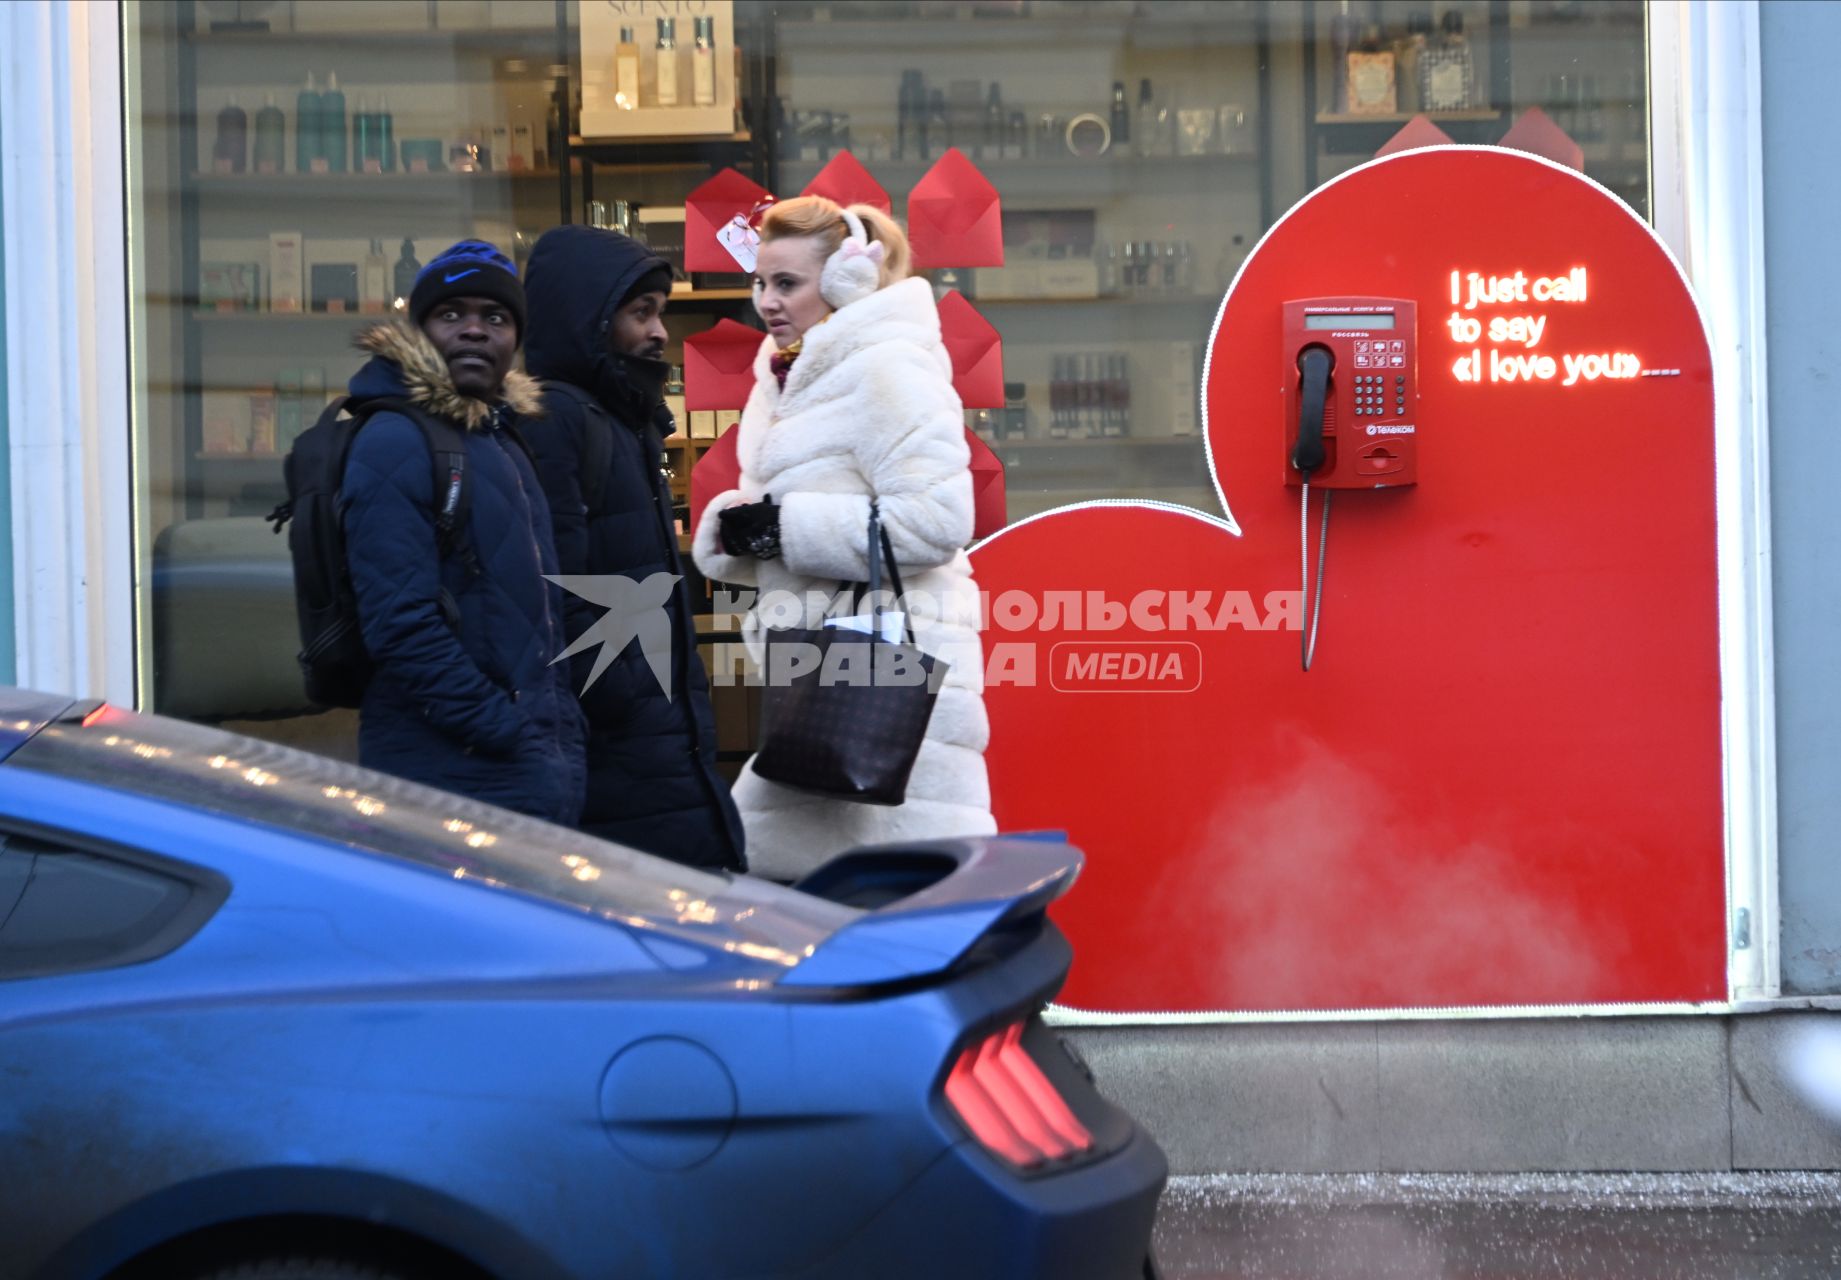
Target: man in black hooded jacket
<point x="595" y="301"/>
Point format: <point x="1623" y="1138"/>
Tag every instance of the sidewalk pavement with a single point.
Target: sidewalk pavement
<point x="1763" y="1226"/>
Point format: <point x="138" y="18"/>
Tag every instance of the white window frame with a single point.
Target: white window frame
<point x="67" y="356"/>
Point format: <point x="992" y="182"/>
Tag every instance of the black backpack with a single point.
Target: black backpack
<point x="333" y="660"/>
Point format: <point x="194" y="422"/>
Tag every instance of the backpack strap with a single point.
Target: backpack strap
<point x="447" y="449"/>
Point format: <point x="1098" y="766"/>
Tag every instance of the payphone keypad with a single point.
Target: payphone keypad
<point x="1378" y="395"/>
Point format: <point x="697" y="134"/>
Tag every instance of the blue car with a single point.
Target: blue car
<point x="264" y="1015"/>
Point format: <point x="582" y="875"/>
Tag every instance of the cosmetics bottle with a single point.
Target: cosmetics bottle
<point x="307" y="128"/>
<point x="1121" y="114"/>
<point x="271" y="137"/>
<point x="386" y="133"/>
<point x="703" y="63"/>
<point x="1447" y="71"/>
<point x="407" y="269"/>
<point x="365" y="155"/>
<point x="230" y="154"/>
<point x="626" y="71"/>
<point x="937" y="135"/>
<point x="992" y="145"/>
<point x="332" y="124"/>
<point x="665" y="66"/>
<point x="1144" y="140"/>
<point x="374" y="281"/>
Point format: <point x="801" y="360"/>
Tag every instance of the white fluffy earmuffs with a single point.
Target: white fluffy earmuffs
<point x="854" y="271"/>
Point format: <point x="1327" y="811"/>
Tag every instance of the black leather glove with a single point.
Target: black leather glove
<point x="752" y="529"/>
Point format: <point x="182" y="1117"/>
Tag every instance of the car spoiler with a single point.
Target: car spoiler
<point x="970" y="886"/>
<point x="23" y="713"/>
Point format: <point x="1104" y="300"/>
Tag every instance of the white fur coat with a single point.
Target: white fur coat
<point x="868" y="409"/>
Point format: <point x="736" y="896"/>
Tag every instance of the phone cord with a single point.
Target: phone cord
<point x="1313" y="610"/>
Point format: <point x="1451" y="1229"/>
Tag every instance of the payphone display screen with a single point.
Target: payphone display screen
<point x="1365" y="320"/>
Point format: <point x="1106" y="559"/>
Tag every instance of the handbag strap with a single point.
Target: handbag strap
<point x="878" y="536"/>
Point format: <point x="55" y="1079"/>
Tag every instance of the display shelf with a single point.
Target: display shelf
<point x="1090" y="444"/>
<point x="1087" y="25"/>
<point x="346" y="185"/>
<point x="480" y="40"/>
<point x="1103" y="299"/>
<point x="1081" y="180"/>
<point x="1397" y="118"/>
<point x="206" y="316"/>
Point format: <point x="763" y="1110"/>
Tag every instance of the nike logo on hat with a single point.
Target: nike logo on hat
<point x="460" y="275"/>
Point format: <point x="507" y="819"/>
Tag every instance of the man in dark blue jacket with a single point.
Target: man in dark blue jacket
<point x="461" y="630"/>
<point x="596" y="336"/>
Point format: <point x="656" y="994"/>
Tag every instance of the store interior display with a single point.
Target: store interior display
<point x="302" y="169"/>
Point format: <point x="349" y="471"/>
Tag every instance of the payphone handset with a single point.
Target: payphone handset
<point x="1352" y="391"/>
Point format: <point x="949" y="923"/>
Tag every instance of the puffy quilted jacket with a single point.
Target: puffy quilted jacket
<point x="474" y="708"/>
<point x="652" y="780"/>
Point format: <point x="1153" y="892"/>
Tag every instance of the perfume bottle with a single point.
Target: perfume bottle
<point x="626" y="71"/>
<point x="910" y="116"/>
<point x="365" y="142"/>
<point x="1447" y="72"/>
<point x="665" y="70"/>
<point x="386" y="133"/>
<point x="703" y="63"/>
<point x="1121" y="114"/>
<point x="992" y="145"/>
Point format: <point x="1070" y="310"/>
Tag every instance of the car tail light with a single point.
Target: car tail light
<point x="1009" y="1105"/>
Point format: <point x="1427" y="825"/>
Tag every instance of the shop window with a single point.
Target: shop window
<point x="1140" y="149"/>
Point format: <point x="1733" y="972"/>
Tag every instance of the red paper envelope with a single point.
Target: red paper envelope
<point x="1535" y="132"/>
<point x="1415" y="133"/>
<point x="719" y="366"/>
<point x="719" y="470"/>
<point x="977" y="352"/>
<point x="846" y="181"/>
<point x="707" y="210"/>
<point x="989" y="510"/>
<point x="954" y="217"/>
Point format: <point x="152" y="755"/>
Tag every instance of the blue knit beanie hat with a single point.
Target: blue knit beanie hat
<point x="471" y="269"/>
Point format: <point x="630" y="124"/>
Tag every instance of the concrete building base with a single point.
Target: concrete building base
<point x="1661" y="1094"/>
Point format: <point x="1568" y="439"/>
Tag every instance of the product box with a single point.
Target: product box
<point x="726" y="418"/>
<point x="262" y="410"/>
<point x="523" y="148"/>
<point x="225" y="422"/>
<point x="463" y="15"/>
<point x="526" y="14"/>
<point x="229" y="286"/>
<point x="1371" y="84"/>
<point x="602" y="116"/>
<point x="335" y="287"/>
<point x="675" y="403"/>
<point x="342" y="16"/>
<point x="290" y="420"/>
<point x="312" y="401"/>
<point x="286" y="274"/>
<point x="1184" y="408"/>
<point x="498" y="142"/>
<point x="703" y="424"/>
<point x="1067" y="278"/>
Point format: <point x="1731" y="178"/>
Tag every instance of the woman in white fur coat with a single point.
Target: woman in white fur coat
<point x="853" y="401"/>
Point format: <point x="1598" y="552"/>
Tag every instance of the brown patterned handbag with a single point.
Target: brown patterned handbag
<point x="844" y="712"/>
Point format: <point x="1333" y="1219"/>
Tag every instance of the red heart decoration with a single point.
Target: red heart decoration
<point x="1500" y="783"/>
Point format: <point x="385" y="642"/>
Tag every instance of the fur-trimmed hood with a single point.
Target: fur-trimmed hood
<point x="423" y="379"/>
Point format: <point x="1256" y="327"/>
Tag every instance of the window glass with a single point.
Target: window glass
<point x="70" y="911"/>
<point x="1140" y="149"/>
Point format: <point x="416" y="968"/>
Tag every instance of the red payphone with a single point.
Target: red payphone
<point x="1350" y="398"/>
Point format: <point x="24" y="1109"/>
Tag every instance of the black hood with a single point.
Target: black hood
<point x="576" y="279"/>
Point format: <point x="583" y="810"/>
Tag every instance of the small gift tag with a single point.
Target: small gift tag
<point x="741" y="240"/>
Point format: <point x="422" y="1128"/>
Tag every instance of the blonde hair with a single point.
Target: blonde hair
<point x="824" y="219"/>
